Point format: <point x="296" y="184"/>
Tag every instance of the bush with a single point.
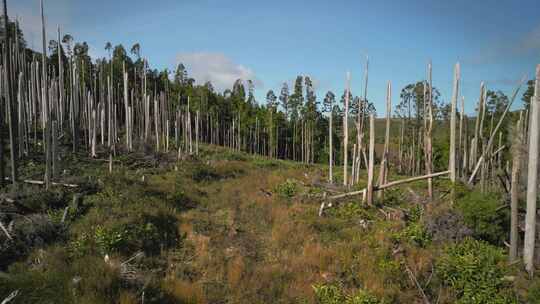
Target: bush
<point x="533" y="294"/>
<point x="333" y="294"/>
<point x="35" y="230"/>
<point x="288" y="189"/>
<point x="482" y="213"/>
<point x="415" y="233"/>
<point x="202" y="172"/>
<point x="474" y="271"/>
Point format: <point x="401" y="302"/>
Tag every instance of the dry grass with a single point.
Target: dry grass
<point x="184" y="291"/>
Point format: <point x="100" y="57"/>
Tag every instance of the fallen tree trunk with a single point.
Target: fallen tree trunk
<point x="328" y="201"/>
<point x="38" y="182"/>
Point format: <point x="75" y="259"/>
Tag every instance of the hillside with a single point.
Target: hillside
<point x="226" y="227"/>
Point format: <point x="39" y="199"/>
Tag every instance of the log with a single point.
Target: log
<point x="412" y="179"/>
<point x="390" y="184"/>
<point x="6" y="232"/>
<point x="38" y="182"/>
<point x="10" y="297"/>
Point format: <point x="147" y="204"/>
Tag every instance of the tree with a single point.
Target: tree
<point x="136" y="50"/>
<point x="284" y="99"/>
<point x="496" y="102"/>
<point x="68" y="41"/>
<point x="180" y="75"/>
<point x="271" y="104"/>
<point x="12" y="28"/>
<point x="412" y="102"/>
<point x="297" y="98"/>
<point x="251" y="92"/>
<point x="108" y="48"/>
<point x="328" y="103"/>
<point x="528" y="94"/>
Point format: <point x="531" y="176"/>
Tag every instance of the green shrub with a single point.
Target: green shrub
<point x="181" y="201"/>
<point x="110" y="239"/>
<point x="363" y="297"/>
<point x="415" y="233"/>
<point x="328" y="294"/>
<point x="533" y="294"/>
<point x="201" y="172"/>
<point x="474" y="270"/>
<point x="350" y="210"/>
<point x="288" y="189"/>
<point x="415" y="214"/>
<point x="333" y="294"/>
<point x="482" y="213"/>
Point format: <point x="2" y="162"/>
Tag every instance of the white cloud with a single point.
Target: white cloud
<point x="217" y="68"/>
<point x="508" y="48"/>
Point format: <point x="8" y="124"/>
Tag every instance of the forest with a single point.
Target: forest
<point x="120" y="183"/>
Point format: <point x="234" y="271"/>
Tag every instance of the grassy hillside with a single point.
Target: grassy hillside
<point x="227" y="227"/>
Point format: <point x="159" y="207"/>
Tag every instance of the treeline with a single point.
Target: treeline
<point x="62" y="96"/>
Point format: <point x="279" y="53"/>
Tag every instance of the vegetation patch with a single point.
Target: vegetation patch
<point x="474" y="270"/>
<point x="483" y="213"/>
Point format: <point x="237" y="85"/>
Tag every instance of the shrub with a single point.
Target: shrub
<point x="482" y="213"/>
<point x="533" y="294"/>
<point x="35" y="230"/>
<point x="181" y="201"/>
<point x="333" y="294"/>
<point x="415" y="233"/>
<point x="288" y="189"/>
<point x="474" y="271"/>
<point x="201" y="172"/>
<point x="415" y="214"/>
<point x="328" y="294"/>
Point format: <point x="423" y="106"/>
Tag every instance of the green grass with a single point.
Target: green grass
<point x="228" y="227"/>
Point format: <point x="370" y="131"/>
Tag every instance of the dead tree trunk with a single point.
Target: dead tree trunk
<point x="383" y="175"/>
<point x="10" y="98"/>
<point x="371" y="163"/>
<point x="428" y="121"/>
<point x="452" y="152"/>
<point x="346" y="130"/>
<point x="514" y="191"/>
<point x="532" y="175"/>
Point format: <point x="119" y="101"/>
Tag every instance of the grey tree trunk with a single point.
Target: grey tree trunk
<point x="452" y="152"/>
<point x="10" y="98"/>
<point x="514" y="190"/>
<point x="371" y="161"/>
<point x="532" y="175"/>
<point x="346" y="130"/>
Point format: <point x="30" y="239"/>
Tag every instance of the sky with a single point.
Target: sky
<point x="272" y="42"/>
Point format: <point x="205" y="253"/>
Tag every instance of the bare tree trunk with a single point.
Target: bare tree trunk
<point x="428" y="121"/>
<point x="514" y="191"/>
<point x="45" y="103"/>
<point x="452" y="153"/>
<point x="383" y="175"/>
<point x="371" y="163"/>
<point x="492" y="136"/>
<point x="346" y="130"/>
<point x="10" y="98"/>
<point x="532" y="175"/>
<point x="331" y="151"/>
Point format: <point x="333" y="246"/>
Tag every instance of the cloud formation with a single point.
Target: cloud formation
<point x="217" y="68"/>
<point x="508" y="48"/>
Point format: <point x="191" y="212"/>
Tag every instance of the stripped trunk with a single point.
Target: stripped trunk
<point x="532" y="175"/>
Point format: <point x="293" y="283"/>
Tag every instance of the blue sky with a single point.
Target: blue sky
<point x="273" y="41"/>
